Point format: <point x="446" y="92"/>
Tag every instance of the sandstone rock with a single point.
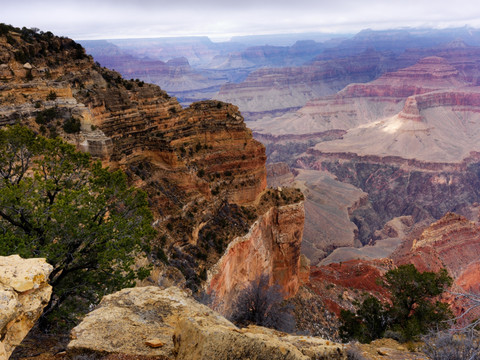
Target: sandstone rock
<point x="24" y="292"/>
<point x="126" y="320"/>
<point x="197" y="339"/>
<point x="154" y="343"/>
<point x="23" y="274"/>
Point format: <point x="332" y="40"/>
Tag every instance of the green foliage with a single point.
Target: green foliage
<point x="414" y="309"/>
<point x="4" y="29"/>
<point x="52" y="95"/>
<point x="84" y="219"/>
<point x="369" y="323"/>
<point x="45" y="116"/>
<point x="71" y="126"/>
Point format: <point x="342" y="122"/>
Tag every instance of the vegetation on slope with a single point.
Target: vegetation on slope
<point x="57" y="203"/>
<point x="414" y="307"/>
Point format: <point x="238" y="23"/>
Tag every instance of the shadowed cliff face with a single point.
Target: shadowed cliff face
<point x="204" y="173"/>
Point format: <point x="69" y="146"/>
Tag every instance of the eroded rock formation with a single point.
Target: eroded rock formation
<point x="24" y="292"/>
<point x="168" y="324"/>
<point x="271" y="247"/>
<point x="453" y="243"/>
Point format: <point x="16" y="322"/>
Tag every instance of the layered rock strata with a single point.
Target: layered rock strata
<point x="259" y="95"/>
<point x="453" y="243"/>
<point x="168" y="324"/>
<point x="24" y="292"/>
<point x="204" y="173"/>
<point x="271" y="247"/>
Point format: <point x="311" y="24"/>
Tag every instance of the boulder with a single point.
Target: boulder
<point x="24" y="292"/>
<point x="127" y="323"/>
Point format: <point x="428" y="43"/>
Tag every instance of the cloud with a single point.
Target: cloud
<point x="149" y="18"/>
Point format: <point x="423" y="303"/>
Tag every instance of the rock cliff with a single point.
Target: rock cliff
<point x="24" y="292"/>
<point x="168" y="324"/>
<point x="453" y="242"/>
<point x="271" y="247"/>
<point x="204" y="173"/>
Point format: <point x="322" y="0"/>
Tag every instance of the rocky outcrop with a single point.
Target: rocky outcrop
<point x="271" y="248"/>
<point x="453" y="242"/>
<point x="329" y="205"/>
<point x="24" y="293"/>
<point x="168" y="324"/>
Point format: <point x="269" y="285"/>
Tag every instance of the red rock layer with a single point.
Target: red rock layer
<point x="272" y="247"/>
<point x="338" y="284"/>
<point x="197" y="164"/>
<point x="453" y="242"/>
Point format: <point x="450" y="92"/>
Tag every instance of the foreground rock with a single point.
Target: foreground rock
<point x="128" y="322"/>
<point x="24" y="292"/>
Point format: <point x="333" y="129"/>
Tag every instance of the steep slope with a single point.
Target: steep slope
<point x="204" y="173"/>
<point x="329" y="205"/>
<point x="453" y="243"/>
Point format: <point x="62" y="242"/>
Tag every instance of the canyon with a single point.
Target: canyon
<point x="204" y="173"/>
<point x="424" y="158"/>
<point x="369" y="147"/>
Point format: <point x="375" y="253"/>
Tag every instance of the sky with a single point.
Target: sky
<point x="221" y="19"/>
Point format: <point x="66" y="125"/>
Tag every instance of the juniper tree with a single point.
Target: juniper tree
<point x="84" y="219"/>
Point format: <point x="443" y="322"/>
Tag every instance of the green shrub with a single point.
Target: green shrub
<point x="45" y="116"/>
<point x="86" y="221"/>
<point x="52" y="95"/>
<point x="71" y="126"/>
<point x="414" y="309"/>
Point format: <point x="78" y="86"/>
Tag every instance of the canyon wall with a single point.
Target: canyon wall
<point x="272" y="248"/>
<point x="204" y="173"/>
<point x="24" y="292"/>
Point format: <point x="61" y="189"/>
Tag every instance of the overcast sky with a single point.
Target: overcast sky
<point x="220" y="19"/>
